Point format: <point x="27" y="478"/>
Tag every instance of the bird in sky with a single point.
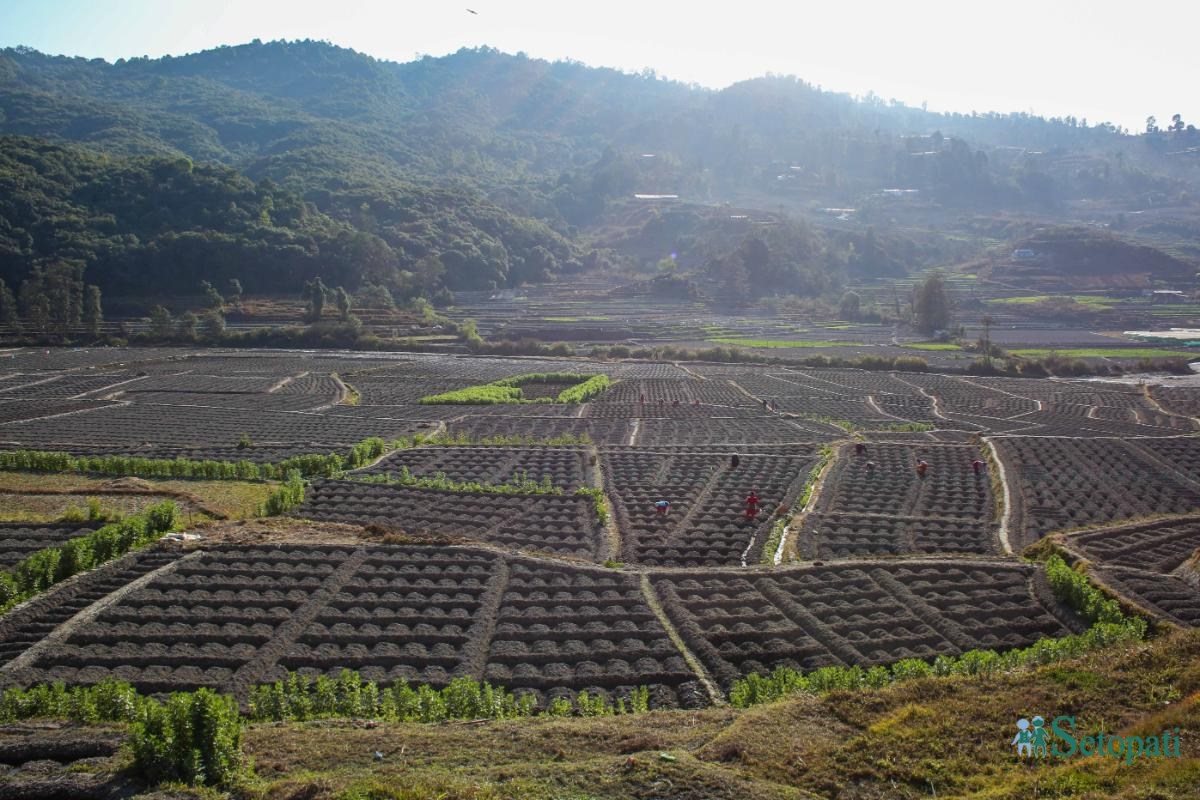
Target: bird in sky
<point x="472" y="11"/>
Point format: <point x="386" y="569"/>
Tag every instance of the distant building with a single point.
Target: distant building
<point x="1024" y="254"/>
<point x="1168" y="296"/>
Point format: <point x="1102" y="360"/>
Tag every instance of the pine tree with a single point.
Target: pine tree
<point x="932" y="304"/>
<point x="850" y="307"/>
<point x="315" y="292"/>
<point x="93" y="313"/>
<point x="342" y="298"/>
<point x="234" y="293"/>
<point x="161" y="323"/>
<point x="213" y="325"/>
<point x="35" y="306"/>
<point x="212" y="298"/>
<point x="187" y="326"/>
<point x="9" y="317"/>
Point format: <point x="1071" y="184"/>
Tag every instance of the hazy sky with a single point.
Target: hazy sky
<point x="1101" y="59"/>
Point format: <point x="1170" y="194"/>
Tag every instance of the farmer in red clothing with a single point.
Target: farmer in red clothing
<point x="977" y="465"/>
<point x="922" y="468"/>
<point x="752" y="505"/>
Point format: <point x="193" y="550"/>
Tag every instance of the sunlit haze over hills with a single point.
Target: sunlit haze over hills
<point x="1090" y="60"/>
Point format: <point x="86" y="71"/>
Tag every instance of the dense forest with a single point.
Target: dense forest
<point x="275" y="163"/>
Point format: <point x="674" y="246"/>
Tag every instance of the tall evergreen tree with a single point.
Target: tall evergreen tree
<point x="932" y="304"/>
<point x="188" y="322"/>
<point x="234" y="293"/>
<point x="212" y="298"/>
<point x="35" y="306"/>
<point x="342" y="298"/>
<point x="212" y="325"/>
<point x="315" y="292"/>
<point x="9" y="315"/>
<point x="161" y="324"/>
<point x="93" y="313"/>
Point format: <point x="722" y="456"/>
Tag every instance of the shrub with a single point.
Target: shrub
<point x="44" y="568"/>
<point x="599" y="502"/>
<point x="297" y="698"/>
<point x="193" y="738"/>
<point x="285" y="498"/>
<point x="1109" y="627"/>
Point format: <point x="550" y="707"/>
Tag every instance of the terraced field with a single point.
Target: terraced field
<point x="522" y="544"/>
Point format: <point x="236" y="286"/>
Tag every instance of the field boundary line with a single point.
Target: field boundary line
<point x="285" y="380"/>
<point x="876" y="407"/>
<point x="695" y="375"/>
<point x="610" y="527"/>
<point x="937" y="411"/>
<point x="635" y="425"/>
<point x="808" y="622"/>
<point x="268" y="655"/>
<point x="87" y="395"/>
<point x="1034" y="400"/>
<point x="1006" y="516"/>
<point x="930" y="617"/>
<point x="475" y="652"/>
<point x="714" y="694"/>
<point x="797" y="522"/>
<point x="88" y="614"/>
<point x="37" y="382"/>
<point x="115" y="404"/>
<point x="343" y="394"/>
<point x="1167" y="466"/>
<point x="1146" y="390"/>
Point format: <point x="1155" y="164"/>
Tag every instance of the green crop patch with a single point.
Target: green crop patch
<point x="742" y="341"/>
<point x="543" y="387"/>
<point x="932" y="346"/>
<point x="1099" y="352"/>
<point x="1083" y="299"/>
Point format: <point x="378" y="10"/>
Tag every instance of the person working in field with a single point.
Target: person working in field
<point x="662" y="507"/>
<point x="922" y="467"/>
<point x="752" y="505"/>
<point x="859" y="449"/>
<point x="870" y="467"/>
<point x="977" y="465"/>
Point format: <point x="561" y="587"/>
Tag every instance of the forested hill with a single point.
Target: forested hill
<point x="489" y="164"/>
<point x="158" y="225"/>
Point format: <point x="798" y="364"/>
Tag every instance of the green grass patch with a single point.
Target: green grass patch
<point x="520" y="483"/>
<point x="511" y="391"/>
<point x="1082" y="299"/>
<point x="589" y="318"/>
<point x="1098" y="352"/>
<point x="743" y="341"/>
<point x="932" y="346"/>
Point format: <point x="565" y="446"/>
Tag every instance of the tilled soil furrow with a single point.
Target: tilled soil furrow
<point x="809" y="623"/>
<point x="936" y="621"/>
<point x="257" y="669"/>
<point x="475" y="652"/>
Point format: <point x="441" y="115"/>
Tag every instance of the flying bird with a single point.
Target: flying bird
<point x="472" y="11"/>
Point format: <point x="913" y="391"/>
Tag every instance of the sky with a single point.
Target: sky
<point x="1100" y="60"/>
